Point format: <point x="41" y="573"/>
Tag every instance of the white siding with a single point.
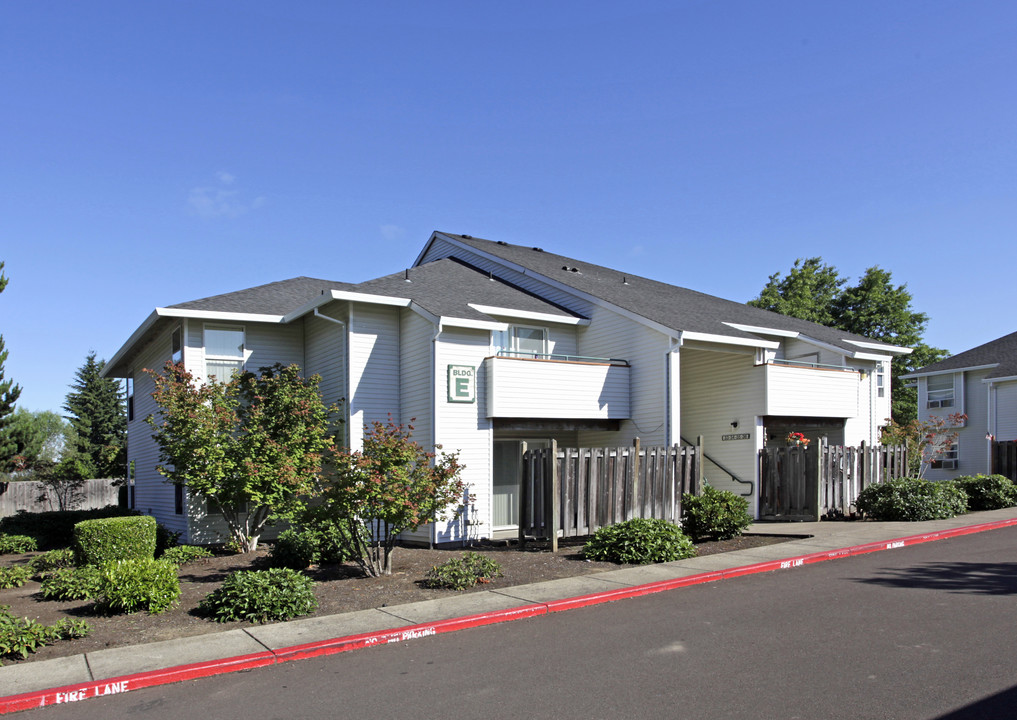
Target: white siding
<point x="415" y="386"/>
<point x="811" y="392"/>
<point x="1006" y="411"/>
<point x="718" y="388"/>
<point x="465" y="427"/>
<point x="374" y="368"/>
<point x="325" y="356"/>
<point x="153" y="496"/>
<point x="970" y="398"/>
<point x="526" y="388"/>
<point x="609" y="334"/>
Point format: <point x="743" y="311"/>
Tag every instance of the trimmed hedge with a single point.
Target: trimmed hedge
<point x="640" y="541"/>
<point x="98" y="542"/>
<point x="55" y="528"/>
<point x="988" y="492"/>
<point x="912" y="499"/>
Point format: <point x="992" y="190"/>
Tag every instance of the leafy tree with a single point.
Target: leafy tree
<point x="40" y="437"/>
<point x="926" y="440"/>
<point x="874" y="308"/>
<point x="98" y="416"/>
<point x="254" y="443"/>
<point x="9" y="394"/>
<point x="391" y="486"/>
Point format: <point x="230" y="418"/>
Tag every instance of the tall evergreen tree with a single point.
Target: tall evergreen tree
<point x="98" y="417"/>
<point x="874" y="308"/>
<point x="9" y="394"/>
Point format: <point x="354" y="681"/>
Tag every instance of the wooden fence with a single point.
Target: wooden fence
<point x="806" y="483"/>
<point x="1004" y="458"/>
<point x="573" y="492"/>
<point x="33" y="496"/>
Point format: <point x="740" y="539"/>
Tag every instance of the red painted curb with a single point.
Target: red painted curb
<point x="152" y="678"/>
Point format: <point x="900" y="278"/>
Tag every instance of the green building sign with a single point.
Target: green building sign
<point x="462" y="383"/>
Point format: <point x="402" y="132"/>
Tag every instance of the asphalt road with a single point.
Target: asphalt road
<point x="928" y="631"/>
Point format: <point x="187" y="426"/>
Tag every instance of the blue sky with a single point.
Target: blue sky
<point x="158" y="152"/>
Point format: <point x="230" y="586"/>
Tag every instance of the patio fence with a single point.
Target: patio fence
<point x="34" y="496"/>
<point x="1004" y="458"/>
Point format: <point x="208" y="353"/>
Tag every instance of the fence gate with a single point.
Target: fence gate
<point x="573" y="492"/>
<point x="798" y="483"/>
<point x="1004" y="458"/>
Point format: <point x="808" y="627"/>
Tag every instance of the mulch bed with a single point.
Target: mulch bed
<point x="340" y="589"/>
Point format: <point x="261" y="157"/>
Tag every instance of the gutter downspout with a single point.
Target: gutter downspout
<point x="674" y="344"/>
<point x="346" y="370"/>
<point x="434" y="411"/>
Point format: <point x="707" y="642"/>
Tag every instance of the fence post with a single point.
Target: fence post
<point x="816" y="495"/>
<point x="697" y="478"/>
<point x="634" y="508"/>
<point x="554" y="497"/>
<point x="524" y="495"/>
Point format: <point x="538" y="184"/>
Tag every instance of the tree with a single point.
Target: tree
<point x="9" y="394"/>
<point x="39" y="437"/>
<point x="98" y="416"/>
<point x="256" y="443"/>
<point x="390" y="486"/>
<point x="874" y="308"/>
<point x="926" y="440"/>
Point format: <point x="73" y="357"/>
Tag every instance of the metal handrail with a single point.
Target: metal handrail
<point x="561" y="357"/>
<point x="750" y="483"/>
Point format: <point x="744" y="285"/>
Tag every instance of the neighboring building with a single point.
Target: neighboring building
<point x="982" y="384"/>
<point x="486" y="345"/>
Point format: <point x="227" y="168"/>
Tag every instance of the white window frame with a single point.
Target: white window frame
<point x="881" y="380"/>
<point x="947" y="460"/>
<point x="499" y="338"/>
<point x="241" y="359"/>
<point x="941" y="401"/>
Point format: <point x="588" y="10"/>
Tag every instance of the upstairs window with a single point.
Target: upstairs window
<point x="881" y="380"/>
<point x="130" y="397"/>
<point x="521" y="341"/>
<point x="224" y="352"/>
<point x="176" y="347"/>
<point x="939" y="389"/>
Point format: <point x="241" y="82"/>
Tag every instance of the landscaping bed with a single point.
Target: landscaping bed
<point x="339" y="589"/>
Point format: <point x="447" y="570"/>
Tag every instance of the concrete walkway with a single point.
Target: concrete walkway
<point x="122" y="669"/>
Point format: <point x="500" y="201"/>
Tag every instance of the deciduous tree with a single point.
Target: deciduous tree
<point x="254" y="446"/>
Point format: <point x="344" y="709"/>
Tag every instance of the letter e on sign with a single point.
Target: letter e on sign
<point x="462" y="383"/>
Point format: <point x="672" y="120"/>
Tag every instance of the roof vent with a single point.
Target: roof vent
<point x="625" y="280"/>
<point x="464" y="235"/>
<point x="539" y="249"/>
<point x="502" y="242"/>
<point x="566" y="268"/>
<point x="406" y="276"/>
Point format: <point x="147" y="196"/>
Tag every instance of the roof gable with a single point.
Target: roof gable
<point x="1001" y="354"/>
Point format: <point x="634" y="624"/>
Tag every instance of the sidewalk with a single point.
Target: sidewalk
<point x="116" y="670"/>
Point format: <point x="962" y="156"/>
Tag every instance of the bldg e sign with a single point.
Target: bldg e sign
<point x="462" y="383"/>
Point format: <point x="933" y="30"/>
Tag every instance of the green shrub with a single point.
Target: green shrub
<point x="52" y="560"/>
<point x="462" y="572"/>
<point x="911" y="499"/>
<point x="261" y="596"/>
<point x="183" y="554"/>
<point x="138" y="584"/>
<point x="314" y="539"/>
<point x="14" y="576"/>
<point x="55" y="528"/>
<point x="988" y="492"/>
<point x="11" y="544"/>
<point x="640" y="541"/>
<point x="21" y="636"/>
<point x="71" y="583"/>
<point x="716" y="514"/>
<point x="102" y="541"/>
<point x="165" y="539"/>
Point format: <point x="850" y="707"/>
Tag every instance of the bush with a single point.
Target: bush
<point x="165" y="539"/>
<point x="314" y="539"/>
<point x="138" y="584"/>
<point x="11" y="544"/>
<point x="55" y="528"/>
<point x="52" y="560"/>
<point x="640" y="542"/>
<point x="462" y="572"/>
<point x="911" y="499"/>
<point x="14" y="576"/>
<point x="71" y="584"/>
<point x="260" y="596"/>
<point x="716" y="514"/>
<point x="988" y="492"/>
<point x="183" y="554"/>
<point x="21" y="636"/>
<point x="102" y="541"/>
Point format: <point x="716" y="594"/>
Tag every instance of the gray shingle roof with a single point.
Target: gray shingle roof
<point x="1001" y="352"/>
<point x="277" y="298"/>
<point x="674" y="307"/>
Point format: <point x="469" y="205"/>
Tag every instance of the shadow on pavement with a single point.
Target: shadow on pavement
<point x="1000" y="705"/>
<point x="956" y="577"/>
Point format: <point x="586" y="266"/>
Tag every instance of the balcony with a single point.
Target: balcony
<point x="810" y="390"/>
<point x="557" y="386"/>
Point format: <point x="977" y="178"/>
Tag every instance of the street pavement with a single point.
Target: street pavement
<point x="120" y="670"/>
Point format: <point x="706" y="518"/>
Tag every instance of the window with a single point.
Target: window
<point x="881" y="380"/>
<point x="176" y="347"/>
<point x="521" y="341"/>
<point x="224" y="352"/>
<point x="940" y="391"/>
<point x="178" y="499"/>
<point x="948" y="460"/>
<point x="130" y="483"/>
<point x="130" y="397"/>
